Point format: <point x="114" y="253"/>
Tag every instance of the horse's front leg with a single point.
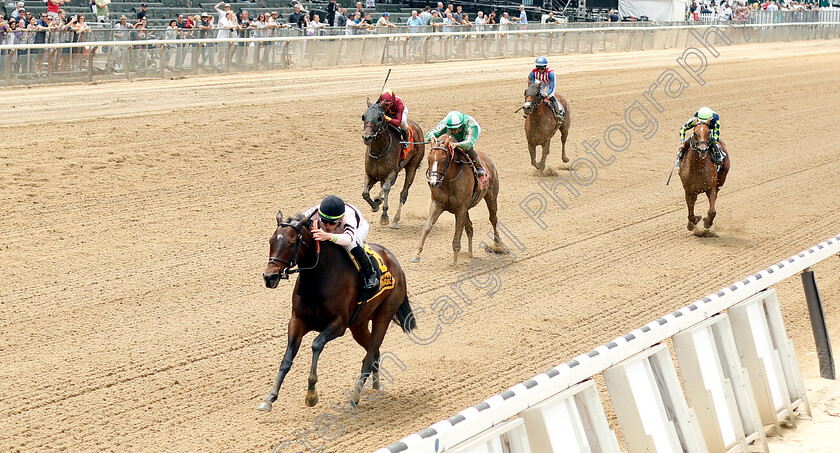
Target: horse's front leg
<point x="460" y="223"/>
<point x="386" y="192"/>
<point x="690" y="199"/>
<point x="546" y="148"/>
<point x="564" y="134"/>
<point x="332" y="331"/>
<point x="410" y="173"/>
<point x="435" y="210"/>
<point x="533" y="150"/>
<point x="297" y="329"/>
<point x="710" y="216"/>
<point x="374" y="204"/>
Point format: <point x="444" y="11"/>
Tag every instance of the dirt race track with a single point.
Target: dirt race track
<point x="136" y="216"/>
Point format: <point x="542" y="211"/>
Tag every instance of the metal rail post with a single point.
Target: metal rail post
<point x="815" y="311"/>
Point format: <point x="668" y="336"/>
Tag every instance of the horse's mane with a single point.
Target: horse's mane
<point x="300" y="218"/>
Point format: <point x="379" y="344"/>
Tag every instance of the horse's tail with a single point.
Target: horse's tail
<point x="405" y="317"/>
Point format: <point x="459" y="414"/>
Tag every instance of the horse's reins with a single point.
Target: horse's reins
<point x="450" y="159"/>
<point x="292" y="262"/>
<point x="379" y="130"/>
<point x="694" y="144"/>
<point x="537" y="100"/>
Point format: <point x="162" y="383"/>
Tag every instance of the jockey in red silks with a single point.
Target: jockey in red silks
<point x="395" y="113"/>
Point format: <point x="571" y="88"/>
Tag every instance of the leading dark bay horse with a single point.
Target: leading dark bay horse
<point x="541" y="125"/>
<point x="325" y="297"/>
<point x="699" y="174"/>
<point x="453" y="184"/>
<point x="382" y="160"/>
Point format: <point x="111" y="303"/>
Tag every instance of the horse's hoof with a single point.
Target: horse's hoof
<point x="414" y="259"/>
<point x="706" y="223"/>
<point x="565" y="159"/>
<point x="690" y="226"/>
<point x="395" y="226"/>
<point x="265" y="406"/>
<point x="384" y="221"/>
<point x="311" y="398"/>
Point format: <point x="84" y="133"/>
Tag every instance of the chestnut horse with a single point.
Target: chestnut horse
<point x="382" y="161"/>
<point x="541" y="125"/>
<point x="325" y="297"/>
<point x="699" y="174"/>
<point x="452" y="183"/>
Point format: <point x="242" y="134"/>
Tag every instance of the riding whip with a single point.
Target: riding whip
<point x="520" y="108"/>
<point x="386" y="81"/>
<point x="676" y="164"/>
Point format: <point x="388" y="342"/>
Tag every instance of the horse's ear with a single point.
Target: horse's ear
<point x="279" y="217"/>
<point x="368" y="102"/>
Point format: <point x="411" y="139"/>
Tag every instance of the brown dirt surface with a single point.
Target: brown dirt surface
<point x="136" y="216"/>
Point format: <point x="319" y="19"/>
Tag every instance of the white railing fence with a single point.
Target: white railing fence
<point x="26" y="64"/>
<point x="738" y="368"/>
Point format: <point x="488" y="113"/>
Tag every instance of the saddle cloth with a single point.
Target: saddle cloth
<point x="386" y="280"/>
<point x="408" y="149"/>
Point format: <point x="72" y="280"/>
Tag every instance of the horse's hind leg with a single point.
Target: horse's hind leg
<point x="690" y="199"/>
<point x="380" y="326"/>
<point x="564" y="134"/>
<point x="386" y="192"/>
<point x="491" y="199"/>
<point x="331" y="332"/>
<point x="468" y="227"/>
<point x="710" y="216"/>
<point x="297" y="329"/>
<point x="410" y="173"/>
<point x="374" y="204"/>
<point x="435" y="210"/>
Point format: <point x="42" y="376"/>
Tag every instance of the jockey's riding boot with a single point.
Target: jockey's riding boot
<point x="368" y="276"/>
<point x="404" y="138"/>
<point x="717" y="154"/>
<point x="479" y="168"/>
<point x="558" y="110"/>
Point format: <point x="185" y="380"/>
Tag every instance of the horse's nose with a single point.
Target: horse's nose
<point x="272" y="280"/>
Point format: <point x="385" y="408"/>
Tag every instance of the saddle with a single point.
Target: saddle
<point x="408" y="149"/>
<point x="386" y="280"/>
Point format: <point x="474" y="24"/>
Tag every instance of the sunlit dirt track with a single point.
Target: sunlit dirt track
<point x="135" y="219"/>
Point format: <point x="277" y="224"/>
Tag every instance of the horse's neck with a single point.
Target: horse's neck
<point x="385" y="140"/>
<point x="694" y="159"/>
<point x="328" y="259"/>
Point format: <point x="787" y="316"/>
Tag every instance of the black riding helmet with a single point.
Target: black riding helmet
<point x="331" y="209"/>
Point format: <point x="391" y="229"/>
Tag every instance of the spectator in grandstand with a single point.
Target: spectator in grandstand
<point x="41" y="27"/>
<point x="297" y="18"/>
<point x="315" y="27"/>
<point x="53" y="6"/>
<point x="353" y="24"/>
<point x="727" y="12"/>
<point x="447" y="22"/>
<point x="17" y="14"/>
<point x="772" y="7"/>
<point x="367" y="21"/>
<point x="341" y="18"/>
<point x="504" y="22"/>
<point x="426" y="15"/>
<point x="276" y="18"/>
<point x="171" y="33"/>
<point x="370" y="3"/>
<point x="141" y="15"/>
<point x="221" y="13"/>
<point x="458" y="16"/>
<point x="360" y="9"/>
<point x="550" y="19"/>
<point x="523" y="17"/>
<point x="332" y="9"/>
<point x="414" y="22"/>
<point x="614" y="16"/>
<point x="491" y="18"/>
<point x="384" y="23"/>
<point x="440" y="8"/>
<point x="465" y="21"/>
<point x="435" y="22"/>
<point x="120" y="35"/>
<point x="101" y="7"/>
<point x="228" y="26"/>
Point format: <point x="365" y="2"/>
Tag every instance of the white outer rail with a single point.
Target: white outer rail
<point x="475" y="419"/>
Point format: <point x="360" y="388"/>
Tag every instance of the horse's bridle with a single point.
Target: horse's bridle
<point x="538" y="99"/>
<point x="376" y="133"/>
<point x="450" y="157"/>
<point x="695" y="144"/>
<point x="292" y="262"/>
